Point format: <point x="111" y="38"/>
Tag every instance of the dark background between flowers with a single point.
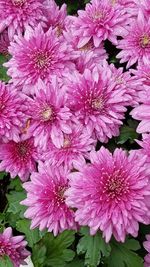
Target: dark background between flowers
<point x="72" y="249"/>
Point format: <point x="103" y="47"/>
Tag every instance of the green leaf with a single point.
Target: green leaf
<point x="57" y="249"/>
<point x="5" y="262"/>
<point x="32" y="236"/>
<point x="16" y="185"/>
<point x="38" y="255"/>
<point x="2" y="174"/>
<point x="3" y="71"/>
<point x="93" y="247"/>
<point x="123" y="256"/>
<point x="75" y="263"/>
<point x="132" y="244"/>
<point x="12" y="218"/>
<point x="127" y="133"/>
<point x="14" y="199"/>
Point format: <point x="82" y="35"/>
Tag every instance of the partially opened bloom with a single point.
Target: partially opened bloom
<point x="96" y="99"/>
<point x="46" y="201"/>
<point x="16" y="15"/>
<point x="146" y="245"/>
<point x="12" y="112"/>
<point x="18" y="158"/>
<point x="14" y="247"/>
<point x="37" y="55"/>
<point x="48" y="114"/>
<point x="135" y="44"/>
<point x="109" y="194"/>
<point x="76" y="147"/>
<point x="99" y="21"/>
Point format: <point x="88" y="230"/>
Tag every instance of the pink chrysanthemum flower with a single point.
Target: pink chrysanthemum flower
<point x="143" y="72"/>
<point x="98" y="101"/>
<point x="100" y="21"/>
<point x="146" y="245"/>
<point x="145" y="144"/>
<point x="76" y="147"/>
<point x="4" y="42"/>
<point x="129" y="5"/>
<point x="16" y="15"/>
<point x="49" y="115"/>
<point x="13" y="113"/>
<point x="142" y="113"/>
<point x="37" y="55"/>
<point x="109" y="194"/>
<point x="55" y="17"/>
<point x="18" y="158"/>
<point x="143" y="5"/>
<point x="135" y="44"/>
<point x="88" y="55"/>
<point x="46" y="201"/>
<point x="124" y="80"/>
<point x="14" y="247"/>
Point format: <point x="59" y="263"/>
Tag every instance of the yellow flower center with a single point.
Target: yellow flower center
<point x="145" y="40"/>
<point x="47" y="114"/>
<point x="97" y="15"/>
<point x="97" y="103"/>
<point x="66" y="142"/>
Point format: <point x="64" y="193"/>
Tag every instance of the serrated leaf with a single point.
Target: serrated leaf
<point x="122" y="256"/>
<point x="3" y="71"/>
<point x="94" y="247"/>
<point x="132" y="244"/>
<point x="5" y="262"/>
<point x="12" y="218"/>
<point x="32" y="236"/>
<point x="57" y="249"/>
<point x="126" y="133"/>
<point x="16" y="185"/>
<point x="14" y="199"/>
<point x="38" y="255"/>
<point x="75" y="263"/>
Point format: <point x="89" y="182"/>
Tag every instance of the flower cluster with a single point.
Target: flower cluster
<point x="14" y="247"/>
<point x="64" y="100"/>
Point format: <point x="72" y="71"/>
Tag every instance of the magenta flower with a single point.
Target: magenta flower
<point x="18" y="158"/>
<point x="98" y="101"/>
<point x="37" y="55"/>
<point x="76" y="147"/>
<point x="56" y="17"/>
<point x="13" y="113"/>
<point x="146" y="245"/>
<point x="142" y="112"/>
<point x="16" y="15"/>
<point x="49" y="115"/>
<point x="99" y="21"/>
<point x="144" y="6"/>
<point x="46" y="201"/>
<point x="135" y="44"/>
<point x="14" y="247"/>
<point x="145" y="150"/>
<point x="88" y="55"/>
<point x="109" y="194"/>
<point x="143" y="72"/>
